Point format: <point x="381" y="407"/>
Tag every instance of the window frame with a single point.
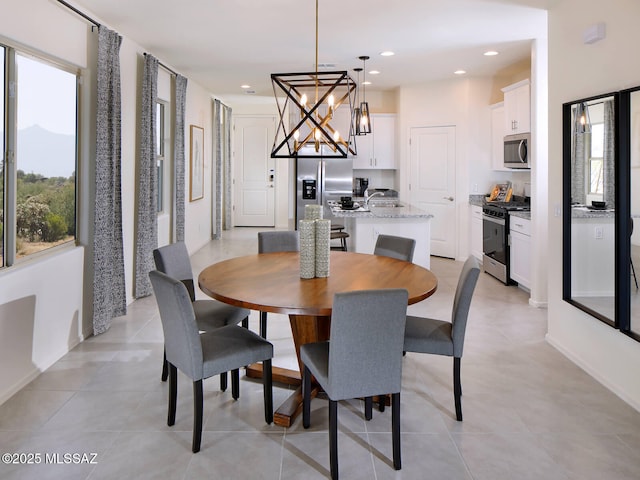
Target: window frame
<point x="10" y="125"/>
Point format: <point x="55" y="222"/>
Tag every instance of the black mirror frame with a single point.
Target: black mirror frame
<point x="622" y="141"/>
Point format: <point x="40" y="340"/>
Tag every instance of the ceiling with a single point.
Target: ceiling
<point x="227" y="43"/>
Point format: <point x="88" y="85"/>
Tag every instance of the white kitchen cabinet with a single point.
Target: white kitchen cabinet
<point x="476" y="232"/>
<point x="365" y="231"/>
<point x="497" y="136"/>
<point x="520" y="252"/>
<point x="377" y="149"/>
<point x="517" y="108"/>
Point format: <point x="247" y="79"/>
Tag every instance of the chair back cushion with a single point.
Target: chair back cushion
<point x="462" y="301"/>
<point x="174" y="260"/>
<point x="181" y="336"/>
<point x="284" y="241"/>
<point x="400" y="248"/>
<point x="366" y="342"/>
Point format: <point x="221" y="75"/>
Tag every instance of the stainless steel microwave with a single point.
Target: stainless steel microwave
<point x="516" y="151"/>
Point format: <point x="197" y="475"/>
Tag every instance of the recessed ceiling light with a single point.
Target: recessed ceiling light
<point x="245" y="86"/>
<point x="490" y="53"/>
<point x="374" y="72"/>
<point x="366" y="82"/>
<point x="387" y="53"/>
<point x="460" y="72"/>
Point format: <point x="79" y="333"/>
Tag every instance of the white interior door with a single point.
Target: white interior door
<point x="254" y="172"/>
<point x="432" y="183"/>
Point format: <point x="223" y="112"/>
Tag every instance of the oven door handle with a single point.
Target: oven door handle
<point x="499" y="221"/>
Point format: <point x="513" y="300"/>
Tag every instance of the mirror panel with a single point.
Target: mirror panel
<point x="634" y="154"/>
<point x="590" y="213"/>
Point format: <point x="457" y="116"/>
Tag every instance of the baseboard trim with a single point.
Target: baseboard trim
<point x="584" y="366"/>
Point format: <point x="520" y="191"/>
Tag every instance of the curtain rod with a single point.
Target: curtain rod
<point x="163" y="65"/>
<point x="83" y="15"/>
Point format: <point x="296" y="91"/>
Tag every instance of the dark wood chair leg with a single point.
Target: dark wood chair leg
<point x="173" y="394"/>
<point x="267" y="385"/>
<point x="235" y="383"/>
<point x="395" y="428"/>
<point x="245" y="322"/>
<point x="165" y="367"/>
<point x="333" y="438"/>
<point x="457" y="388"/>
<point x="306" y="398"/>
<point x="223" y="381"/>
<point x="263" y="324"/>
<point x="381" y="402"/>
<point x="368" y="408"/>
<point x="197" y="415"/>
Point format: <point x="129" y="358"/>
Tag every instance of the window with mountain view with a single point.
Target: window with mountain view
<point x="41" y="135"/>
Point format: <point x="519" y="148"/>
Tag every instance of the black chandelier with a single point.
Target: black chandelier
<point x="311" y="101"/>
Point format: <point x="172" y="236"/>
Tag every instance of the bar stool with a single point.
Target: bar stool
<point x="342" y="236"/>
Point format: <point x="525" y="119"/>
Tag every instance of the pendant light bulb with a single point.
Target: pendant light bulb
<point x="365" y="125"/>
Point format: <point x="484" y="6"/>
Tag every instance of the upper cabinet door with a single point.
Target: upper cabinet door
<point x="377" y="149"/>
<point x="384" y="141"/>
<point x="517" y="108"/>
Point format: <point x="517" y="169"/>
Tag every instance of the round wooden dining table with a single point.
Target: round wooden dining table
<point x="270" y="282"/>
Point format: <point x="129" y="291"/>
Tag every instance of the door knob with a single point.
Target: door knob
<point x="448" y="198"/>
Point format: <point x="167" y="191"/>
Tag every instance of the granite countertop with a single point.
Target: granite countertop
<point x="381" y="209"/>
<point x="585" y="212"/>
<point x="520" y="214"/>
<point x="477" y="200"/>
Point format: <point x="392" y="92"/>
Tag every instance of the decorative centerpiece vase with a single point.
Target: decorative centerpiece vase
<point x="323" y="247"/>
<point x="307" y="229"/>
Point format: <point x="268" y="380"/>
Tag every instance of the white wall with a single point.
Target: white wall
<point x="604" y="352"/>
<point x="464" y="103"/>
<point x="41" y="300"/>
<point x="44" y="303"/>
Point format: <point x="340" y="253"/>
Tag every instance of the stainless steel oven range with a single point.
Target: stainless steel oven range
<point x="495" y="237"/>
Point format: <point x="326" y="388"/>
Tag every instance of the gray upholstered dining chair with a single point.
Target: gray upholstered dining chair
<point x="174" y="260"/>
<point x="362" y="358"/>
<point x="203" y="355"/>
<point x="438" y="337"/>
<point x="276" y="241"/>
<point x="392" y="246"/>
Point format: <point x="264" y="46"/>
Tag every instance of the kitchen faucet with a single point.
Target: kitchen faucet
<point x="368" y="197"/>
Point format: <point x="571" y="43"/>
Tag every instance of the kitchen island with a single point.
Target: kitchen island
<point x="389" y="217"/>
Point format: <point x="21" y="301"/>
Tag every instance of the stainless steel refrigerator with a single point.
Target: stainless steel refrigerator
<point x="319" y="180"/>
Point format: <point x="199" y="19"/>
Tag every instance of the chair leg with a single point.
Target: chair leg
<point x="368" y="408"/>
<point x="165" y="367"/>
<point x="395" y="428"/>
<point x="263" y="324"/>
<point x="267" y="385"/>
<point x="306" y="397"/>
<point x="173" y="394"/>
<point x="235" y="383"/>
<point x="223" y="381"/>
<point x="245" y="322"/>
<point x="457" y="387"/>
<point x="197" y="415"/>
<point x="333" y="438"/>
<point x="381" y="402"/>
<point x="633" y="270"/>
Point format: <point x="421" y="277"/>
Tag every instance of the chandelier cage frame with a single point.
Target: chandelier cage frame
<point x="312" y="120"/>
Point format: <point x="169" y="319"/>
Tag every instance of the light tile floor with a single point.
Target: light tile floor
<point x="529" y="413"/>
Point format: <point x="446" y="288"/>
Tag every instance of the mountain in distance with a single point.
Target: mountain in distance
<point x="46" y="153"/>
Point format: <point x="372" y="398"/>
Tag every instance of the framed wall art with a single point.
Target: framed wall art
<point x="196" y="163"/>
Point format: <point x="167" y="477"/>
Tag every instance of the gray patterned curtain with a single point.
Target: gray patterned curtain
<point x="109" y="293"/>
<point x="221" y="114"/>
<point x="226" y="159"/>
<point x="181" y="97"/>
<point x="609" y="155"/>
<point x="217" y="133"/>
<point x="578" y="169"/>
<point x="147" y="231"/>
